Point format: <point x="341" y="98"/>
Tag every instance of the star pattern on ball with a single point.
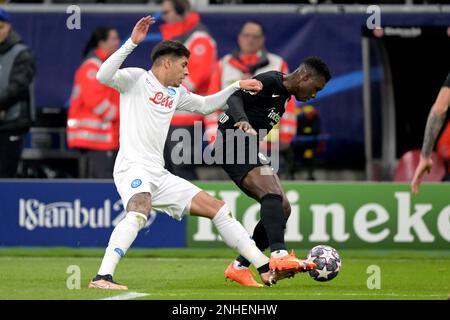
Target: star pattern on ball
<point x="328" y="263"/>
<point x="327" y="254"/>
<point x="323" y="273"/>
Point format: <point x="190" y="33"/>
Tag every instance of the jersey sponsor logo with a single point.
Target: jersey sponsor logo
<point x="136" y="183"/>
<point x="161" y="99"/>
<point x="223" y="118"/>
<point x="171" y="92"/>
<point x="149" y="82"/>
<point x="275" y="116"/>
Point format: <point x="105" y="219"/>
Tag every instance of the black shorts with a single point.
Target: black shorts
<point x="238" y="154"/>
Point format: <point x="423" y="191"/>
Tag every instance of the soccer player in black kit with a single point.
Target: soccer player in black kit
<point x="252" y="116"/>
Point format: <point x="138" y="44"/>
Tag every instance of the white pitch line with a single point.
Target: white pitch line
<point x="133" y="295"/>
<point x="296" y="294"/>
<point x="126" y="296"/>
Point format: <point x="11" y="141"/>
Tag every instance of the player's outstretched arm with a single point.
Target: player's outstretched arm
<point x="108" y="73"/>
<point x="434" y="124"/>
<point x="209" y="104"/>
<point x="218" y="100"/>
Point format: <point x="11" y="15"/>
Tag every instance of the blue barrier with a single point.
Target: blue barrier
<point x="74" y="214"/>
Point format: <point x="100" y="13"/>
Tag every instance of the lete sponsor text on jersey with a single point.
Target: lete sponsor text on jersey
<point x="160" y="99"/>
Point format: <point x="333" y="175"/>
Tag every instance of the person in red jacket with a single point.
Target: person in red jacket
<point x="249" y="59"/>
<point x="93" y="118"/>
<point x="184" y="25"/>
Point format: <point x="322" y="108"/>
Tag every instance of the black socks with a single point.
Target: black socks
<point x="270" y="229"/>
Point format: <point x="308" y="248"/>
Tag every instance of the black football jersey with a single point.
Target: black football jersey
<point x="264" y="109"/>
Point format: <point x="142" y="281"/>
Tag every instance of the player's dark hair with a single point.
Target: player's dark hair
<point x="99" y="34"/>
<point x="254" y="22"/>
<point x="169" y="47"/>
<point x="319" y="66"/>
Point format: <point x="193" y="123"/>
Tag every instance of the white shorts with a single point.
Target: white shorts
<point x="170" y="193"/>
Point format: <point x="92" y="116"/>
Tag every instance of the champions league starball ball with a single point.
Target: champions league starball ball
<point x="328" y="263"/>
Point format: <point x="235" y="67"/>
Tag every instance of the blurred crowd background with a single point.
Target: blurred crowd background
<point x="57" y="121"/>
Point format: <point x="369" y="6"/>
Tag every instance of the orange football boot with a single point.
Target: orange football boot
<point x="242" y="276"/>
<point x="290" y="263"/>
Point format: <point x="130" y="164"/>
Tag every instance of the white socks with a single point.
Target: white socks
<point x="121" y="239"/>
<point x="231" y="231"/>
<point x="236" y="237"/>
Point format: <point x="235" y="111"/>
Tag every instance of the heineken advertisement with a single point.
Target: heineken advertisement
<point x="343" y="215"/>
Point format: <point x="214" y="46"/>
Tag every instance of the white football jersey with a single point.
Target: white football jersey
<point x="146" y="109"/>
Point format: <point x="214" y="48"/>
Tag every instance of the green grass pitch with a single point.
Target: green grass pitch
<point x="197" y="274"/>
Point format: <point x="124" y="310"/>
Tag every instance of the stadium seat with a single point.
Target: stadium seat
<point x="408" y="162"/>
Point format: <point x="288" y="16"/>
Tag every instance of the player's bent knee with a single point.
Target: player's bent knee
<point x="215" y="206"/>
<point x="270" y="195"/>
<point x="205" y="205"/>
<point x="140" y="202"/>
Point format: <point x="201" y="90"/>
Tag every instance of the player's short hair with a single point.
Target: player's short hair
<point x="169" y="47"/>
<point x="319" y="66"/>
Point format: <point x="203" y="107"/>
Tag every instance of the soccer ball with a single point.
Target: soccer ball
<point x="328" y="263"/>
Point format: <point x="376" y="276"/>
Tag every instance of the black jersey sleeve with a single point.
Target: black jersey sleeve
<point x="268" y="79"/>
<point x="447" y="81"/>
<point x="236" y="107"/>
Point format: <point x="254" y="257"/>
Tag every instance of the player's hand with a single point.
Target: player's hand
<point x="423" y="167"/>
<point x="246" y="127"/>
<point x="141" y="28"/>
<point x="252" y="85"/>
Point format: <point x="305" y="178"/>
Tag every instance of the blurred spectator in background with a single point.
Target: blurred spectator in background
<point x="17" y="71"/>
<point x="249" y="59"/>
<point x="183" y="24"/>
<point x="306" y="142"/>
<point x="435" y="121"/>
<point x="93" y="118"/>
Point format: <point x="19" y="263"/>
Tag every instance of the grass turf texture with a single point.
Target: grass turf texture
<point x="198" y="274"/>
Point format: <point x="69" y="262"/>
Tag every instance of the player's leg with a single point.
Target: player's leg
<point x="259" y="233"/>
<point x="138" y="208"/>
<point x="232" y="232"/>
<point x="178" y="197"/>
<point x="265" y="186"/>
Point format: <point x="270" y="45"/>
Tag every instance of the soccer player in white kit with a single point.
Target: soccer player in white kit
<point x="148" y="100"/>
